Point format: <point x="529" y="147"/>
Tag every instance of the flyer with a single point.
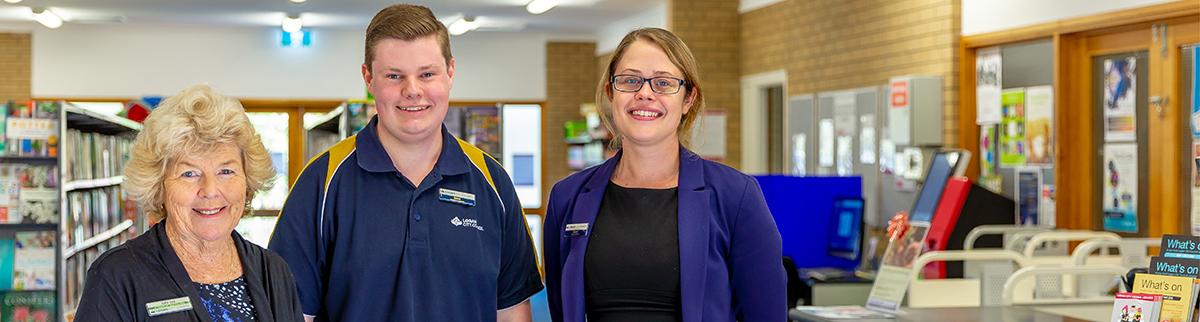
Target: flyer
<point x="1012" y="128"/>
<point x="1120" y="187"/>
<point x="1039" y="125"/>
<point x="987" y="86"/>
<point x="1028" y="192"/>
<point x="987" y="150"/>
<point x="1120" y="99"/>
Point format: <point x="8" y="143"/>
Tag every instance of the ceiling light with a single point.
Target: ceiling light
<point x="292" y="23"/>
<point x="12" y="1"/>
<point x="539" y="6"/>
<point x="462" y="25"/>
<point x="293" y="1"/>
<point x="47" y="18"/>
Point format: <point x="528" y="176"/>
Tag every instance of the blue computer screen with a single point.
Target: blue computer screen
<point x="846" y="228"/>
<point x="940" y="171"/>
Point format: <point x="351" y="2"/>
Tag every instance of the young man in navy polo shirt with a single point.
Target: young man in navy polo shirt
<point x="404" y="222"/>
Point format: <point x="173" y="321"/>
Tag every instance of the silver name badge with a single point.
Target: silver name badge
<point x="576" y="230"/>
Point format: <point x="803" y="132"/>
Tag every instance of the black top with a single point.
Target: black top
<point x="146" y="270"/>
<point x="227" y="302"/>
<point x="631" y="269"/>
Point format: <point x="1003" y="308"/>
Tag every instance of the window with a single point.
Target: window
<point x="273" y="128"/>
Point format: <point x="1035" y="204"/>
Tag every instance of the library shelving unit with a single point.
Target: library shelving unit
<point x="96" y="214"/>
<point x="325" y="131"/>
<point x="29" y="211"/>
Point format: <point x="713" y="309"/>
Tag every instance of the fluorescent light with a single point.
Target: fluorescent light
<point x="292" y="23"/>
<point x="462" y="26"/>
<point x="47" y="18"/>
<point x="539" y="6"/>
<point x="293" y="1"/>
<point x="12" y="1"/>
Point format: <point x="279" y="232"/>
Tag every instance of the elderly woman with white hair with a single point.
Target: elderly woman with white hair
<point x="195" y="168"/>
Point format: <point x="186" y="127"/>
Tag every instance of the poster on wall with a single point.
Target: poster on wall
<point x="866" y="139"/>
<point x="1120" y="187"/>
<point x="1039" y="125"/>
<point x="1195" y="165"/>
<point x="1196" y="92"/>
<point x="1012" y="128"/>
<point x="987" y="86"/>
<point x="1195" y="135"/>
<point x="1120" y="99"/>
<point x="987" y="150"/>
<point x="799" y="154"/>
<point x="1029" y="192"/>
<point x="825" y="149"/>
<point x="1047" y="209"/>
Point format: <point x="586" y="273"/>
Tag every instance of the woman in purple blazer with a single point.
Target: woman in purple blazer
<point x="656" y="233"/>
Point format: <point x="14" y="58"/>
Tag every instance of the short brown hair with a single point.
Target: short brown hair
<point x="406" y="22"/>
<point x="680" y="55"/>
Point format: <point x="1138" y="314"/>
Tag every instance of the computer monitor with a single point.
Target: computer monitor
<point x="845" y="235"/>
<point x="943" y="165"/>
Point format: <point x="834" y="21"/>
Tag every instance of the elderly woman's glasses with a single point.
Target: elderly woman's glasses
<point x="660" y="84"/>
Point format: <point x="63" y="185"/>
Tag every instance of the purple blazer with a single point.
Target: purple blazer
<point x="730" y="254"/>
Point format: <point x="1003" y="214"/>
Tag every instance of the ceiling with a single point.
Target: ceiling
<point x="570" y="16"/>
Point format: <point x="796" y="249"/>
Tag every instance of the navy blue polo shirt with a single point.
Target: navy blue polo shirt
<point x="367" y="245"/>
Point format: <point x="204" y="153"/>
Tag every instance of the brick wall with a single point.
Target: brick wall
<point x="15" y="66"/>
<point x="570" y="81"/>
<point x="832" y="44"/>
<point x="711" y="30"/>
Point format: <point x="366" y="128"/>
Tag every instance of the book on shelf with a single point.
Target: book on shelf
<point x="30" y="128"/>
<point x="1136" y="307"/>
<point x="28" y="306"/>
<point x="94" y="155"/>
<point x="94" y="211"/>
<point x="34" y="261"/>
<point x="28" y="194"/>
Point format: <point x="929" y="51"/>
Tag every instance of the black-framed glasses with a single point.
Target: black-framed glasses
<point x="658" y="84"/>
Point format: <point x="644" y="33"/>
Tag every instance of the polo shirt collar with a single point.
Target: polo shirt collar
<point x="372" y="157"/>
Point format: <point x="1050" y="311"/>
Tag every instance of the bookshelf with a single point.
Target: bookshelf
<point x="29" y="209"/>
<point x="325" y="131"/>
<point x="96" y="213"/>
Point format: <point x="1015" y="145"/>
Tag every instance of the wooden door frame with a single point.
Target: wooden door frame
<point x="1075" y="41"/>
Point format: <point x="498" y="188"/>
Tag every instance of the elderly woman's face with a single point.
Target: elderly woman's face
<point x="206" y="192"/>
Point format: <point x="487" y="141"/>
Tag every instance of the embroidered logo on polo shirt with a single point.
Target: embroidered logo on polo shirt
<point x="470" y="223"/>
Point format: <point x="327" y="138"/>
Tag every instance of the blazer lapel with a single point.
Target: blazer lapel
<point x="587" y="206"/>
<point x="694" y="215"/>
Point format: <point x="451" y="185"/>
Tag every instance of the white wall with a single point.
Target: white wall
<point x="609" y="36"/>
<point x="248" y="62"/>
<point x="983" y="16"/>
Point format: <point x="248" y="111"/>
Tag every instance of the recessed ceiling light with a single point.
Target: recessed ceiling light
<point x="12" y="1"/>
<point x="47" y="18"/>
<point x="292" y="23"/>
<point x="462" y="25"/>
<point x="540" y="6"/>
<point x="293" y="1"/>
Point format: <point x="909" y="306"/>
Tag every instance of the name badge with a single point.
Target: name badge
<point x="169" y="306"/>
<point x="458" y="197"/>
<point x="576" y="230"/>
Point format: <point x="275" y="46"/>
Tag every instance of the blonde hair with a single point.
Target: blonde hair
<point x="680" y="55"/>
<point x="195" y="119"/>
<point x="406" y="22"/>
